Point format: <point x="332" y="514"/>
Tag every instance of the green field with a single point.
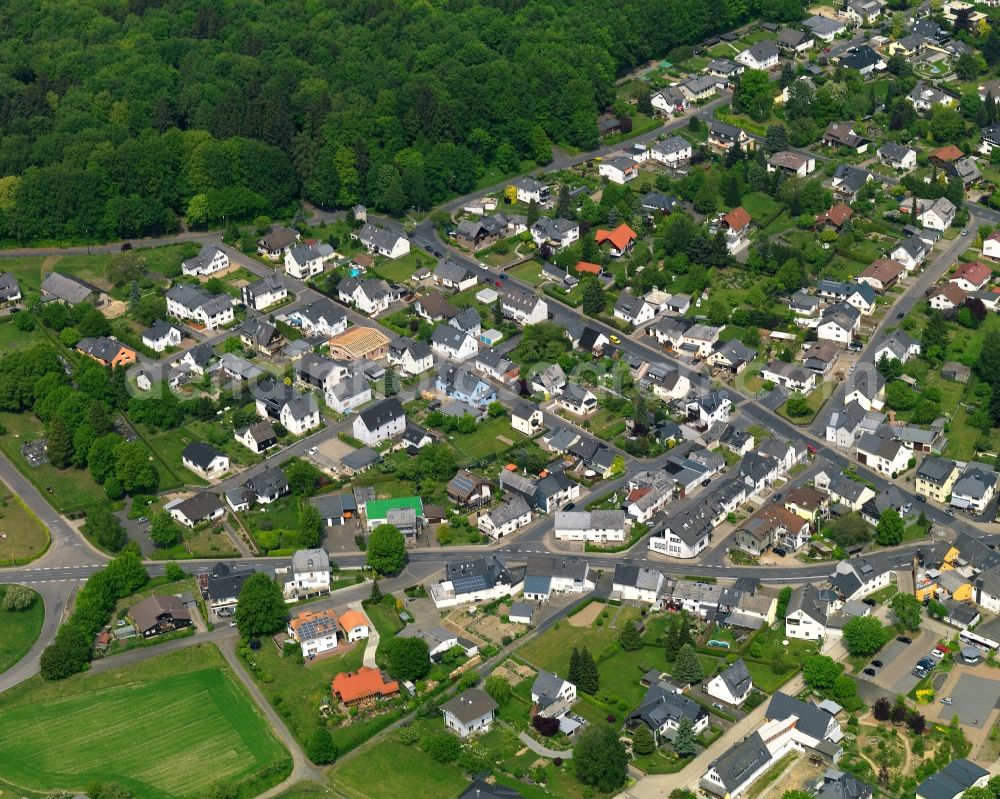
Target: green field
<point x="486" y="439"/>
<point x="402" y="269"/>
<point x="530" y="272"/>
<point x="170" y="727"/>
<point x="18" y="631"/>
<point x="552" y="649"/>
<point x="25" y="537"/>
<point x="13" y="339"/>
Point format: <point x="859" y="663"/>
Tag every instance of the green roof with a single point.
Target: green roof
<point x="378" y="508"/>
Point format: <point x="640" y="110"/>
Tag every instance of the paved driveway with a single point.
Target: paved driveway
<point x="899" y="660"/>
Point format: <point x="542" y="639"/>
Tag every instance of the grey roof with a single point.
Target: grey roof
<point x="333" y="505"/>
<point x="374" y="416"/>
<point x="546" y="687"/>
<point x="590" y="519"/>
<point x="662" y="703"/>
<point x="452" y="271"/>
<point x="225" y="582"/>
<point x="202" y="259"/>
<point x="470" y="705"/>
<point x="811" y="720"/>
<point x="67" y="288"/>
<point x="271" y="481"/>
<point x="894" y="151"/>
<point x="952" y="780"/>
<point x="575" y="393"/>
<point x="742" y="761"/>
<point x="360" y="458"/>
<point x="145" y="612"/>
<point x="201" y="454"/>
<point x="637" y="576"/>
<point x="737" y="678"/>
<point x="553" y="483"/>
<point x="308" y="560"/>
<point x="507" y="511"/>
<point x="735" y="351"/>
<point x="793" y="38"/>
<point x="823" y="25"/>
<point x="104" y="348"/>
<point x="279" y="237"/>
<point x="320" y="310"/>
<point x="975" y="481"/>
<point x="480" y="789"/>
<point x="570" y="568"/>
<point x="807" y="598"/>
<point x="763" y="50"/>
<point x="160" y="329"/>
<point x="447" y="336"/>
<point x="199" y="506"/>
<point x="201" y="354"/>
<point x="265" y="285"/>
<point x="467" y="319"/>
<point x="629" y="304"/>
<point x="380" y="238"/>
<point x="936" y="470"/>
<point x="840" y="785"/>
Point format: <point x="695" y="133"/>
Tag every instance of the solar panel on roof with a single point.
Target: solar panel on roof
<point x="462" y="483"/>
<point x="465" y="585"/>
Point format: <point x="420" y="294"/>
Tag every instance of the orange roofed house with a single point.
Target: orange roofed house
<point x="106" y="351"/>
<point x="619" y="240"/>
<point x="359" y="342"/>
<point x="587" y="268"/>
<point x="945" y="155"/>
<point x="835" y="217"/>
<point x="353" y="625"/>
<point x="973" y="276"/>
<point x="365" y="684"/>
<point x="736" y="226"/>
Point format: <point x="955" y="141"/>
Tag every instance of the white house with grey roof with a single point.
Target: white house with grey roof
<point x="807" y="613"/>
<point x="762" y="55"/>
<point x="673" y="151"/>
<point x="632" y="309"/>
<point x="412" y="357"/>
<point x="664" y="708"/>
<point x="264" y="293"/>
<point x="209" y="260"/>
<point x="161" y="336"/>
<point x="308" y="575"/>
<point x="319" y="318"/>
<point x="369" y="296"/>
<point x="551" y="694"/>
<point x="194" y="304"/>
<point x="303" y="261"/>
<point x="557" y="233"/>
<point x="898" y="156"/>
<point x="592" y="526"/>
<point x="454" y="275"/>
<point x="911" y="252"/>
<point x="975" y="488"/>
<point x="634" y="583"/>
<point x="953" y="780"/>
<point x="453" y="344"/>
<point x="732" y="685"/>
<point x="546" y="575"/>
<point x="389" y="241"/>
<point x="686" y="533"/>
<point x="506" y="518"/>
<point x="522" y="306"/>
<point x="470" y="713"/>
<point x="10" y="289"/>
<point x="379" y="422"/>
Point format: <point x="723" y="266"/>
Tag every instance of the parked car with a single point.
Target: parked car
<point x="877" y="664"/>
<point x="937" y="653"/>
<point x="870" y="672"/>
<point x="706" y="482"/>
<point x="920" y="497"/>
<point x="428" y="248"/>
<point x="569" y="506"/>
<point x="717" y="705"/>
<point x="869" y="602"/>
<point x="904" y="639"/>
<point x="503" y="276"/>
<point x="949" y="512"/>
<point x="946" y="700"/>
<point x="780" y="552"/>
<point x="775" y="497"/>
<point x="142" y="520"/>
<point x="614" y="339"/>
<point x="499" y="283"/>
<point x="906" y="508"/>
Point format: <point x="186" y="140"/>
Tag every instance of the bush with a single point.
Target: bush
<point x="442" y="746"/>
<point x="546" y="726"/>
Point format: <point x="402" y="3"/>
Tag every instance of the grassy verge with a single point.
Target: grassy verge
<point x="18" y="630"/>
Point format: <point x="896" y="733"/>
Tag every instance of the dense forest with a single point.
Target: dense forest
<point x="119" y="117"/>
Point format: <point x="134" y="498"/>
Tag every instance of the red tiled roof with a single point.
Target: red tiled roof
<point x="975" y="272"/>
<point x="837" y="215"/>
<point x="638" y="493"/>
<point x="588" y="268"/>
<point x="947" y="153"/>
<point x="884" y="270"/>
<point x="620" y="238"/>
<point x="952" y="292"/>
<point x="366" y="681"/>
<point x="737" y="219"/>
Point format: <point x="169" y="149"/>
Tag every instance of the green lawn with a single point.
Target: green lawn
<point x="552" y="649"/>
<point x="303" y="790"/>
<point x="486" y="439"/>
<point x="104" y="726"/>
<point x="18" y="630"/>
<point x="13" y="339"/>
<point x="760" y="206"/>
<point x="26" y="537"/>
<point x="530" y="272"/>
<point x="401" y="269"/>
<point x="72" y="489"/>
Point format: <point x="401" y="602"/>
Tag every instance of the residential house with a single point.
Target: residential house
<point x="159" y="614"/>
<point x="863" y="12"/>
<point x="838" y="323"/>
<point x="433" y="307"/>
<point x="773" y="526"/>
<point x="884" y="453"/>
<point x="529" y="189"/>
<point x="412" y="357"/>
<point x="795" y="41"/>
<point x="791" y="163"/>
<point x="320" y="318"/>
<point x="319" y="372"/>
<point x="618" y="170"/>
<point x="454" y="275"/>
<point x="730" y="775"/>
<point x="297" y="413"/>
<point x="197" y="509"/>
<point x="849" y="180"/>
<point x="632" y="309"/>
<point x="900" y="346"/>
<point x="911" y="252"/>
<point x="806" y="308"/>
<point x="845" y="491"/>
<point x="379" y="422"/>
<point x="835" y="217"/>
<point x="350" y="393"/>
<point x="595" y="526"/>
<point x="617" y="242"/>
<point x="546" y="576"/>
<point x="198" y="306"/>
<point x="725" y="69"/>
<point x="469" y="490"/>
<point x="882" y="274"/>
<point x="308" y="575"/>
<point x="953" y="780"/>
<point x="468" y="321"/>
<point x="390" y="241"/>
<point x="261" y="336"/>
<point x="699" y="340"/>
<point x="790" y="376"/>
<point x="806" y="502"/>
<point x="867" y="388"/>
<point x="258" y="438"/>
<point x="824" y="28"/>
<point x="315" y="631"/>
<point x="732" y="685"/>
<point x="733" y="355"/>
<point x="551" y="694"/>
<point x="936" y="478"/>
<point x="205" y="459"/>
<point x="460" y="384"/>
<point x="370" y="296"/>
<point x="634" y="583"/>
<point x="305" y="261"/>
<point x="736" y="228"/>
<point x="820" y="356"/>
<point x="221" y="587"/>
<point x="483" y="578"/>
<point x="674" y="151"/>
<point x="863" y="59"/>
<point x="924" y="97"/>
<point x="505" y="518"/>
<point x="842" y="134"/>
<point x="701" y="87"/>
<point x="686" y="532"/>
<point x="973" y="276"/>
<point x="975" y="488"/>
<point x="669" y="100"/>
<point x="106" y="351"/>
<point x="722" y="137"/>
<point x="493" y="364"/>
<point x="470" y="713"/>
<point x="526" y="418"/>
<point x="664" y="707"/>
<point x="898" y="156"/>
<point x="807" y="613"/>
<point x="161" y="336"/>
<point x="555" y="490"/>
<point x="549" y="381"/>
<point x="947" y="297"/>
<point x="451" y="343"/>
<point x="762" y="55"/>
<point x="276" y="242"/>
<point x="522" y="306"/>
<point x="363" y="686"/>
<point x="709" y="408"/>
<point x="264" y="293"/>
<point x="936" y="214"/>
<point x="557" y="233"/>
<point x="209" y="260"/>
<point x="577" y="399"/>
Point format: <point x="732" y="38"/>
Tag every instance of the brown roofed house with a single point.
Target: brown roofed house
<point x="882" y="275"/>
<point x="835" y="217"/>
<point x="158" y="614"/>
<point x="366" y="684"/>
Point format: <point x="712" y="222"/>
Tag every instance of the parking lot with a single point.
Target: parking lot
<point x="898" y="660"/>
<point x="975" y="695"/>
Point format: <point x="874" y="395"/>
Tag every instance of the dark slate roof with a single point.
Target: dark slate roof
<point x="839" y="785"/>
<point x="201" y="454"/>
<point x="377" y="415"/>
<point x="662" y="703"/>
<point x="811" y="720"/>
<point x="737" y="678"/>
<point x="952" y="780"/>
<point x="742" y="761"/>
<point x="268" y="482"/>
<point x="225" y="582"/>
<point x="480" y="789"/>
